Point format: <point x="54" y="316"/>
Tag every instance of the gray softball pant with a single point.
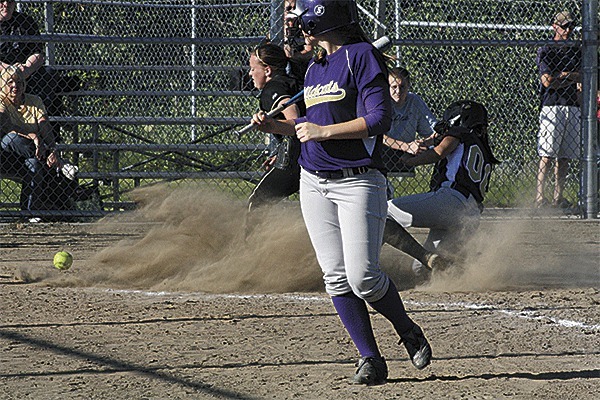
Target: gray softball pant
<point x="345" y="219"/>
<point x="452" y="218"/>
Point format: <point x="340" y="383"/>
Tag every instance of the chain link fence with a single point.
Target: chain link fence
<point x="143" y="92"/>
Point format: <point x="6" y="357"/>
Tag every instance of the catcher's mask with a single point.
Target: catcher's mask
<point x="466" y="114"/>
<point x="316" y="17"/>
<point x="293" y="36"/>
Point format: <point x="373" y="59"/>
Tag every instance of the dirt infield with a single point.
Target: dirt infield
<point x="169" y="302"/>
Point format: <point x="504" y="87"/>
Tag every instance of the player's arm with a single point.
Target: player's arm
<point x="432" y="155"/>
<point x="570" y="76"/>
<point x="425" y="120"/>
<point x="561" y="80"/>
<point x="32" y="64"/>
<point x="279" y="126"/>
<point x="268" y="124"/>
<point x="45" y="132"/>
<point x="305" y="131"/>
<point x="46" y="149"/>
<point x="408" y="147"/>
<point x="427" y="142"/>
<point x="354" y="129"/>
<point x="291" y="112"/>
<point x="36" y="58"/>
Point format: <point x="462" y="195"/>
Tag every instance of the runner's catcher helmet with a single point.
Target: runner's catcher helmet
<point x="319" y="16"/>
<point x="466" y="113"/>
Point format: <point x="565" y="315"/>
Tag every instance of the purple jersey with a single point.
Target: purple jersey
<point x="350" y="83"/>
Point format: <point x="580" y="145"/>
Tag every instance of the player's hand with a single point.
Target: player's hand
<point x="269" y="162"/>
<point x="263" y="122"/>
<point x="413" y="147"/>
<point x="19" y="66"/>
<point x="306" y="131"/>
<point x="52" y="160"/>
<point x="565" y="75"/>
<point x="40" y="149"/>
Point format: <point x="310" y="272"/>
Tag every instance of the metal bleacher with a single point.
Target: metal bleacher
<point x="126" y="126"/>
<point x="120" y="150"/>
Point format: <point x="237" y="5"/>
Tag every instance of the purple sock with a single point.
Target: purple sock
<point x="355" y="317"/>
<point x="392" y="308"/>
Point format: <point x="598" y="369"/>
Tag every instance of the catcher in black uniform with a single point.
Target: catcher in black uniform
<point x="268" y="69"/>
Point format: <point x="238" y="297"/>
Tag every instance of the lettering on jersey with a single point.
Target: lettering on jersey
<point x="323" y="94"/>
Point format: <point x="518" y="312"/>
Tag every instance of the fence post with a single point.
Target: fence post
<point x="379" y="29"/>
<point x="589" y="121"/>
<point x="397" y="16"/>
<point x="276" y="22"/>
<point x="49" y="22"/>
<point x="193" y="73"/>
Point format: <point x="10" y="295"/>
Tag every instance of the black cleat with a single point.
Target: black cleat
<point x="371" y="371"/>
<point x="417" y="346"/>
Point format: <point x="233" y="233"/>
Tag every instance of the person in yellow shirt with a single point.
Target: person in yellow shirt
<point x="27" y="140"/>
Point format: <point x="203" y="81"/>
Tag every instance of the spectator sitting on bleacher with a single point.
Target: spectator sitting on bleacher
<point x="412" y="119"/>
<point x="27" y="142"/>
<point x="42" y="80"/>
<point x="28" y="57"/>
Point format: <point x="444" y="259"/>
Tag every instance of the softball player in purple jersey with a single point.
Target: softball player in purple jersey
<point x="342" y="191"/>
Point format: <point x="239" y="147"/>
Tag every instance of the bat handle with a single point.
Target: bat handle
<point x="271" y="113"/>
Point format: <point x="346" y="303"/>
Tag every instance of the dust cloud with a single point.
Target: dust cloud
<point x="197" y="242"/>
<point x="521" y="253"/>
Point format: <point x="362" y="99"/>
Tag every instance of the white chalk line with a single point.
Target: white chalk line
<point x="525" y="314"/>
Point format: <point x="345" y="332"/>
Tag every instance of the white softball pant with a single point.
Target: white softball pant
<point x="345" y="219"/>
<point x="451" y="218"/>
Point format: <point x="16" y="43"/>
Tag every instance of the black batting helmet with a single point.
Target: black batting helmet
<point x="466" y="113"/>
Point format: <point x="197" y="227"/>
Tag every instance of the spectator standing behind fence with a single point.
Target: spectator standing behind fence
<point x="560" y="117"/>
<point x="28" y="57"/>
<point x="27" y="139"/>
<point x="268" y="64"/>
<point x="342" y="191"/>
